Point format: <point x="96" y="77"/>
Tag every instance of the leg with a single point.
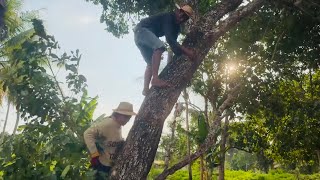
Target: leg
<point x="147" y="56"/>
<point x="156" y="58"/>
<point x="147" y="79"/>
<point x="102" y="172"/>
<point x="151" y="48"/>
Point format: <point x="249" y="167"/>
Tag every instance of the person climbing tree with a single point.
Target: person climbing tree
<point x="146" y="37"/>
<point x="104" y="138"/>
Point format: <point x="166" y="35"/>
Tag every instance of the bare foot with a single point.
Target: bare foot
<point x="159" y="83"/>
<point x="145" y="92"/>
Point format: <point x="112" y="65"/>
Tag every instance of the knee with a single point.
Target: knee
<point x="158" y="51"/>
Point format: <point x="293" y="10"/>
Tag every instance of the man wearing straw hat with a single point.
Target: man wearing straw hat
<point x="146" y="36"/>
<point x="104" y="137"/>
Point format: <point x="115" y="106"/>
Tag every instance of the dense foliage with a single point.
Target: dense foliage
<point x="50" y="144"/>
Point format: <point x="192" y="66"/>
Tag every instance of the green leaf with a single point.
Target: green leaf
<point x="22" y="127"/>
<point x="65" y="171"/>
<point x="9" y="163"/>
<point x="82" y="78"/>
<point x="100" y="118"/>
<point x="203" y="129"/>
<point x="71" y="68"/>
<point x="54" y="56"/>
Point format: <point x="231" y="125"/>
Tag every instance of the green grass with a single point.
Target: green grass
<point x="247" y="175"/>
<point x="238" y="175"/>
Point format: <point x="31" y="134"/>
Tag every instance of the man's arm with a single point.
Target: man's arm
<point x="90" y="139"/>
<point x="187" y="51"/>
<point x="3" y="3"/>
<point x="171" y="38"/>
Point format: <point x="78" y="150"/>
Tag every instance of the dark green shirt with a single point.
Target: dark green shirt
<point x="164" y="24"/>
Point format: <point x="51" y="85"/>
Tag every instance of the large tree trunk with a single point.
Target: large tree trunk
<point x="141" y="146"/>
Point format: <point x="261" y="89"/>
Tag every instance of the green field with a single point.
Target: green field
<point x="239" y="175"/>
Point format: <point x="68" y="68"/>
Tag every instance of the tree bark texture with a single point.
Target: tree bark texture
<point x="142" y="142"/>
<point x="168" y="150"/>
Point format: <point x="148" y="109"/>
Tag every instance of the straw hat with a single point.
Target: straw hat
<point x="125" y="108"/>
<point x="187" y="9"/>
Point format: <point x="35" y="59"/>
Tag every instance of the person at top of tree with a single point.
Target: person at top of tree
<point x="146" y="36"/>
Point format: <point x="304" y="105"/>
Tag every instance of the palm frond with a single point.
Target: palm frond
<point x="12" y="20"/>
<point x="16" y="41"/>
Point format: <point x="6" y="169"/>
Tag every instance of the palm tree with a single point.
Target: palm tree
<point x="18" y="31"/>
<point x="17" y="122"/>
<point x="6" y="120"/>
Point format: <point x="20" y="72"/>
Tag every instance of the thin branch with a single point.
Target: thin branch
<point x="234" y="17"/>
<point x="276" y="45"/>
<point x="235" y="147"/>
<point x="314" y="3"/>
<point x="55" y="79"/>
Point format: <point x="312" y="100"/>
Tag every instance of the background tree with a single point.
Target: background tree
<point x="17" y="31"/>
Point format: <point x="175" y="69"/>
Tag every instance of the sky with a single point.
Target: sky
<point x="113" y="67"/>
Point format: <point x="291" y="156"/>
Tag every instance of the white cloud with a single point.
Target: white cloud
<point x="76" y="20"/>
<point x="86" y="19"/>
